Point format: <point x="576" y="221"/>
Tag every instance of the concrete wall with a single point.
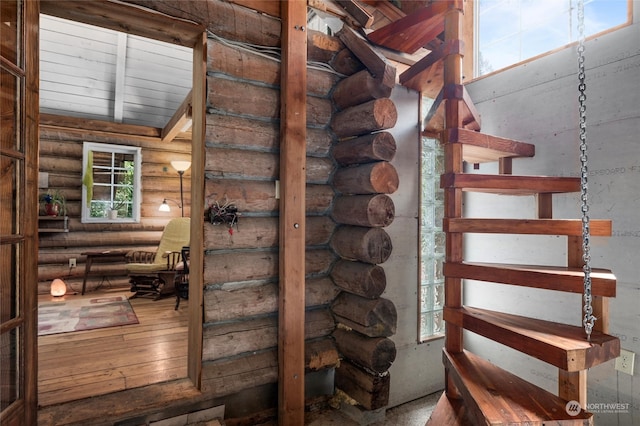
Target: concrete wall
<point x="537" y="103"/>
<point x="417" y="370"/>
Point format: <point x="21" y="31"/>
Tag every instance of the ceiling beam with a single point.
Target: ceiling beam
<point x="118" y="16"/>
<point x="179" y="122"/>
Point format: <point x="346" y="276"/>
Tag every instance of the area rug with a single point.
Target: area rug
<point x="66" y="315"/>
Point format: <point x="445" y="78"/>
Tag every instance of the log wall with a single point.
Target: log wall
<point x="61" y="158"/>
<point x="241" y="263"/>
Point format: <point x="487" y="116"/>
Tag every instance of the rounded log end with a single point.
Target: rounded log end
<point x="384" y="178"/>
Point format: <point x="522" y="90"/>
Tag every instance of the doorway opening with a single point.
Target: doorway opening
<point x="129" y="100"/>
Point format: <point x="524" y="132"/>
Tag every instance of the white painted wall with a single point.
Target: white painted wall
<point x="537" y="103"/>
<point x="418" y="369"/>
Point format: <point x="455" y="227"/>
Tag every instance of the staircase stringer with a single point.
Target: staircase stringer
<point x="453" y="27"/>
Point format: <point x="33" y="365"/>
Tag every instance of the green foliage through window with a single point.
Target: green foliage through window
<point x="111" y="176"/>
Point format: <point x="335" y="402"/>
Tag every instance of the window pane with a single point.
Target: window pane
<point x="10" y="31"/>
<point x="432" y="240"/>
<point x="9" y="113"/>
<point x="9" y="195"/>
<point x="8" y="281"/>
<point x="9" y="374"/>
<point x="111" y="183"/>
<point x="511" y="31"/>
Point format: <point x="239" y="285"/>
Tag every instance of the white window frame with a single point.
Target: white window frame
<point x="137" y="181"/>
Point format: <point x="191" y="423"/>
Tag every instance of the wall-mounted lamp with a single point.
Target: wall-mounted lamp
<point x="164" y="207"/>
<point x="181" y="166"/>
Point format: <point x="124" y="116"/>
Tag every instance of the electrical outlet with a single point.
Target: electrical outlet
<point x="625" y="361"/>
<point x="72" y="262"/>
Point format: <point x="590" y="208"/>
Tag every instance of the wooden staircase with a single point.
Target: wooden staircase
<point x="477" y="391"/>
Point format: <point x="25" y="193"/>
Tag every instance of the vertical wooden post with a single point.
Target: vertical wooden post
<point x="544" y="204"/>
<point x="196" y="287"/>
<point x="291" y="301"/>
<point x="573" y="385"/>
<point x="28" y="284"/>
<point x="453" y="28"/>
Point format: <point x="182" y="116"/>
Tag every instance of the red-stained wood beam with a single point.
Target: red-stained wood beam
<point x="291" y="303"/>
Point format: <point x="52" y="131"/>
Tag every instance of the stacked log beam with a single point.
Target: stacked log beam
<point x="362" y="209"/>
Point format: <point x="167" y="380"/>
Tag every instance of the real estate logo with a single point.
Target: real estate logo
<point x="573" y="408"/>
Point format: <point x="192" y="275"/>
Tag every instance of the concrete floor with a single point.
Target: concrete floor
<point x="414" y="413"/>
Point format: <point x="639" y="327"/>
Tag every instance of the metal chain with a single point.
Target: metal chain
<point x="588" y="320"/>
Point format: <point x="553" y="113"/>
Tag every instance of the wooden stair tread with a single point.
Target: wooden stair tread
<point x="496" y="397"/>
<point x="510" y="184"/>
<point x="448" y="412"/>
<point x="569" y="227"/>
<point x="559" y="278"/>
<point x="482" y="148"/>
<point x="562" y="345"/>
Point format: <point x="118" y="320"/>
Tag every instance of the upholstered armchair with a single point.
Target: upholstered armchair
<point x="153" y="273"/>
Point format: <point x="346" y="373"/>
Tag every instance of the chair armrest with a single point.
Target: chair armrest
<point x="173" y="257"/>
<point x="140" y="256"/>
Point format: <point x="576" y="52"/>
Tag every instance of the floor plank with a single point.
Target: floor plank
<point x="82" y="364"/>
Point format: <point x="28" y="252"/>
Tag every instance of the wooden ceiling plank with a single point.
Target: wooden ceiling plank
<point x="118" y="16"/>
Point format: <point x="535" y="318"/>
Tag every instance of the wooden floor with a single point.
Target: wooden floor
<point x="82" y="364"/>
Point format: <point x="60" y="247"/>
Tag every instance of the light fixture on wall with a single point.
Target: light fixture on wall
<point x="181" y="166"/>
<point x="164" y="207"/>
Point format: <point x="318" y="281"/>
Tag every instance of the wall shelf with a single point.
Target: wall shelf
<point x="52" y="224"/>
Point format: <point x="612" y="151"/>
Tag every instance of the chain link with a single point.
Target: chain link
<point x="589" y="320"/>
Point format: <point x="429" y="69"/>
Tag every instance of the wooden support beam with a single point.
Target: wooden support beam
<point x="179" y="122"/>
<point x="291" y="303"/>
<point x="98" y="126"/>
<point x="453" y="30"/>
<point x="128" y="18"/>
<point x="196" y="287"/>
<point x="572" y="386"/>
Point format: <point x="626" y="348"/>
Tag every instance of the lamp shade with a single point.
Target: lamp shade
<point x="58" y="288"/>
<point x="164" y="207"/>
<point x="180" y="165"/>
